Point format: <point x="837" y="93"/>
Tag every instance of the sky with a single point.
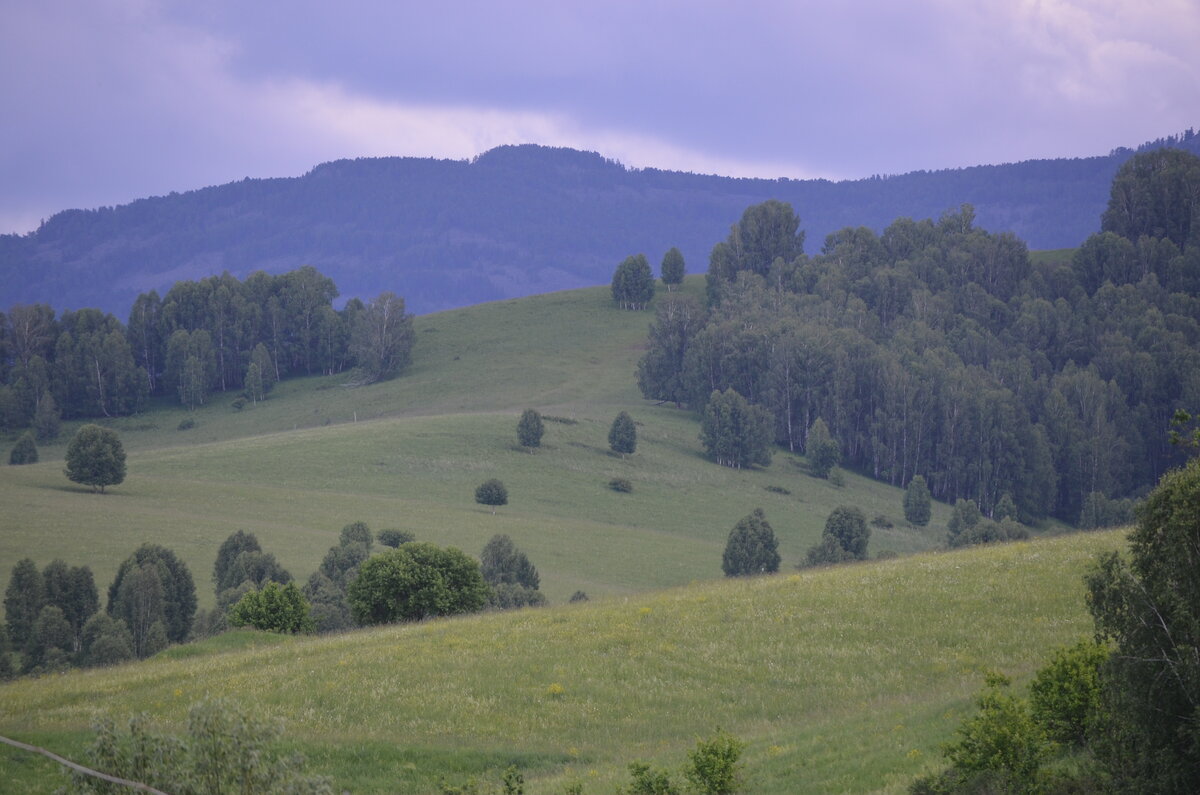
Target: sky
<point x="107" y="101"/>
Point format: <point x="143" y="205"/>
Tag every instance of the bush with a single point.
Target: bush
<point x="275" y="608"/>
<point x="844" y="538"/>
<point x="713" y="765"/>
<point x="530" y="429"/>
<point x="226" y="750"/>
<point x="881" y="521"/>
<point x="24" y="451"/>
<point x="620" y="484"/>
<point x="778" y="490"/>
<point x="1065" y="695"/>
<point x="578" y="596"/>
<point x="238" y="403"/>
<point x="647" y="781"/>
<point x="414" y="582"/>
<point x="394" y="538"/>
<point x="186" y="424"/>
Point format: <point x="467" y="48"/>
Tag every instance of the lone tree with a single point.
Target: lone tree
<point x="734" y="432"/>
<point x="491" y="492"/>
<point x="530" y="429"/>
<point x="821" y="449"/>
<point x="918" y="504"/>
<point x="24" y="451"/>
<point x="845" y="538"/>
<point x="672" y="268"/>
<point x="416" y="581"/>
<point x="622" y="436"/>
<point x="1148" y="606"/>
<point x="513" y="579"/>
<point x="752" y="547"/>
<point x="633" y="283"/>
<point x="95" y="458"/>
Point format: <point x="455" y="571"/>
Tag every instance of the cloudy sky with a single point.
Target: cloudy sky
<point x="106" y="101"/>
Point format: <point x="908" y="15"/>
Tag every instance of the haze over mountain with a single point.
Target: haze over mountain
<point x="516" y="220"/>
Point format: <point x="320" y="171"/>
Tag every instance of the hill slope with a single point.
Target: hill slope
<point x="515" y="221"/>
<point x="409" y="453"/>
<point x="841" y="680"/>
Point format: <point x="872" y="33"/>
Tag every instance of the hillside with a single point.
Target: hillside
<point x="408" y="454"/>
<point x="515" y="221"/>
<point x="840" y="680"/>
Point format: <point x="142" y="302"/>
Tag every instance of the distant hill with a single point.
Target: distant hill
<point x="517" y="220"/>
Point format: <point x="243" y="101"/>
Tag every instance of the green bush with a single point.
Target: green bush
<point x="1065" y="695"/>
<point x="647" y="781"/>
<point x="24" y="451"/>
<point x="394" y="538"/>
<point x="620" y="484"/>
<point x="186" y="424"/>
<point x="275" y="608"/>
<point x="713" y="765"/>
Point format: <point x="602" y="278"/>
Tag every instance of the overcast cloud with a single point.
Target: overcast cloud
<point x="111" y="100"/>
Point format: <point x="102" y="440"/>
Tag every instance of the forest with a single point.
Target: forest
<point x="940" y="349"/>
<point x="517" y="220"/>
<point x="203" y="337"/>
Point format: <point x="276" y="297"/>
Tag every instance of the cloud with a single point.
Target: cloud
<point x="110" y="100"/>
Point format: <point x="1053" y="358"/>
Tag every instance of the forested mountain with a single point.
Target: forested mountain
<point x="514" y="221"/>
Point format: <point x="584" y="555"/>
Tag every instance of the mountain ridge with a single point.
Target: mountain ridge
<point x="513" y="221"/>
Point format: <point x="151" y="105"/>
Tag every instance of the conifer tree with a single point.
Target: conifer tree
<point x="622" y="436"/>
<point x="918" y="504"/>
<point x="752" y="547"/>
<point x="530" y="429"/>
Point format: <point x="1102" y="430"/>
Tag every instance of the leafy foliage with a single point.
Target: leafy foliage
<point x="1065" y="695"/>
<point x="414" y="582"/>
<point x="530" y="429"/>
<point x="24" y="451"/>
<point x="622" y="435"/>
<point x="153" y="586"/>
<point x="502" y="562"/>
<point x="274" y="608"/>
<point x="918" y="503"/>
<point x="821" y="449"/>
<point x="226" y="749"/>
<point x="381" y="337"/>
<point x="714" y="764"/>
<point x="672" y="268"/>
<point x="1148" y="606"/>
<point x="645" y="780"/>
<point x="492" y="493"/>
<point x="734" y="432"/>
<point x="394" y="538"/>
<point x="844" y="538"/>
<point x="96" y="458"/>
<point x="752" y="547"/>
<point x="633" y="283"/>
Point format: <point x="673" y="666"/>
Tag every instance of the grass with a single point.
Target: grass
<point x="409" y="453"/>
<point x="844" y="679"/>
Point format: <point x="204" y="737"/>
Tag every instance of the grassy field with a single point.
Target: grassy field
<point x="840" y="680"/>
<point x="408" y="454"/>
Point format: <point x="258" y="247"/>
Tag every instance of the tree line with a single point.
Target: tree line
<point x="942" y="350"/>
<point x="216" y="335"/>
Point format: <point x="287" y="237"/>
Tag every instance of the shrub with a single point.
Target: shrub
<point x="778" y="490"/>
<point x="186" y="424"/>
<point x="416" y="581"/>
<point x="530" y="429"/>
<point x="713" y="765"/>
<point x="226" y="750"/>
<point x="24" y="451"/>
<point x="647" y="781"/>
<point x="1065" y="695"/>
<point x="844" y="538"/>
<point x="620" y="484"/>
<point x="394" y="538"/>
<point x="881" y="521"/>
<point x="275" y="608"/>
<point x="578" y="596"/>
<point x="238" y="403"/>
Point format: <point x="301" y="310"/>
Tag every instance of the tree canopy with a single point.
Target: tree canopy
<point x="95" y="457"/>
<point x="416" y="581"/>
<point x="622" y="435"/>
<point x="752" y="547"/>
<point x="530" y="429"/>
<point x="633" y="283"/>
<point x="491" y="493"/>
<point x="734" y="432"/>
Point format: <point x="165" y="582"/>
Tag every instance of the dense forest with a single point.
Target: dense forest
<point x="940" y="349"/>
<point x="518" y="220"/>
<point x="217" y="334"/>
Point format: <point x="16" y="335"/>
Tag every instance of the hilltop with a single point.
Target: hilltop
<point x="515" y="221"/>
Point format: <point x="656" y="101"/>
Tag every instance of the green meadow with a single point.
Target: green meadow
<point x="845" y="679"/>
<point x="840" y="680"/>
<point x="408" y="454"/>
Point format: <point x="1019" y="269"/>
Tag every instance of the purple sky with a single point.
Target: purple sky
<point x="106" y="101"/>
